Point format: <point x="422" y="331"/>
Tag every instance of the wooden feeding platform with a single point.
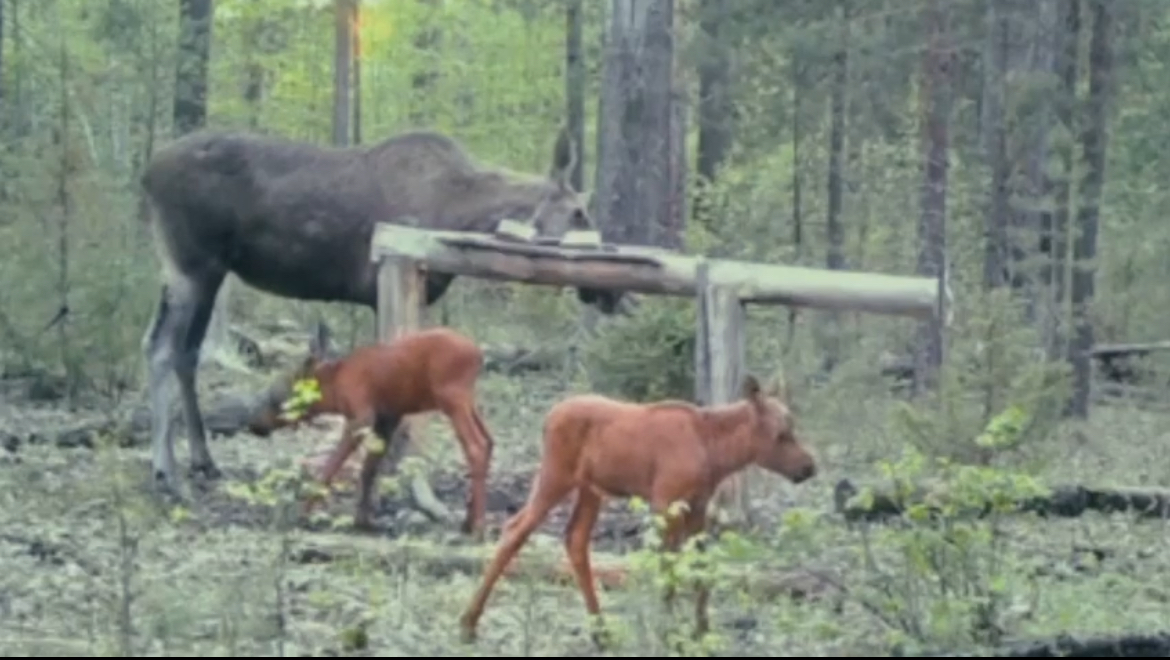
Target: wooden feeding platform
<point x="721" y="287"/>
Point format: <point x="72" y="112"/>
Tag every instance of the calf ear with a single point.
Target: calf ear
<point x="778" y="389"/>
<point x="750" y="388"/>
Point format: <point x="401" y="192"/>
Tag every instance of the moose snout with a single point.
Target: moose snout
<point x="804" y="472"/>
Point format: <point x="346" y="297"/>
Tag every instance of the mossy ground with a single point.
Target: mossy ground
<point x="91" y="567"/>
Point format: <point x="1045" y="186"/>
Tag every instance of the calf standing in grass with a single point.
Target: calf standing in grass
<point x="662" y="452"/>
<point x="374" y="387"/>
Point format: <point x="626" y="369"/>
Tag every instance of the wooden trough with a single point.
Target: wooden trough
<point x="721" y="287"/>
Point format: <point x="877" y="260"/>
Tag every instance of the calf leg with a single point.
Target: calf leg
<point x="547" y="491"/>
<point x="384" y="427"/>
<point x="578" y="533"/>
<point x="477" y="450"/>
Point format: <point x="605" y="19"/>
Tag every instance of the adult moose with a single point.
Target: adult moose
<point x="296" y="220"/>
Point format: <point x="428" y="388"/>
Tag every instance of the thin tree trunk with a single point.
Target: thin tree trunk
<point x="190" y="108"/>
<point x="835" y="229"/>
<point x="936" y="98"/>
<point x="342" y="76"/>
<point x="797" y="187"/>
<point x="715" y="107"/>
<point x="575" y="89"/>
<point x="1094" y="138"/>
<point x="995" y="251"/>
<point x="356" y="36"/>
<point x="1067" y="55"/>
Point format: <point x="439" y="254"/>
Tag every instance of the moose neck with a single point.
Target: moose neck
<point x="728" y="435"/>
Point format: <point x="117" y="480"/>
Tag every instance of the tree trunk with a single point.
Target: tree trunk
<point x="797" y="82"/>
<point x="343" y="11"/>
<point x="995" y="252"/>
<point x="356" y="36"/>
<point x="1093" y="144"/>
<point x="633" y="193"/>
<point x="715" y="108"/>
<point x="936" y="101"/>
<point x="190" y="109"/>
<point x="835" y="257"/>
<point x="426" y="40"/>
<point x="575" y="89"/>
<point x="1067" y="54"/>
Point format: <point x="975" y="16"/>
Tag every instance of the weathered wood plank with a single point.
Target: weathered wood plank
<point x="719" y="351"/>
<point x="656" y="271"/>
<point x="401" y="287"/>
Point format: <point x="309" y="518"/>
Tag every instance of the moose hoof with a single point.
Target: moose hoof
<point x="166" y="488"/>
<point x="204" y="471"/>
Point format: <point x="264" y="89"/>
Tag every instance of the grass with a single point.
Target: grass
<point x="93" y="567"/>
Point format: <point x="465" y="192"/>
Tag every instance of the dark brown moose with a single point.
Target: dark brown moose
<point x="296" y="220"/>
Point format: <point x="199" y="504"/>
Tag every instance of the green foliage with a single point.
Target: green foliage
<point x="951" y="577"/>
<point x="996" y="396"/>
<point x="647" y="356"/>
<point x="305" y="392"/>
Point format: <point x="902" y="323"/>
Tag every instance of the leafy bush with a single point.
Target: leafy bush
<point x="647" y="356"/>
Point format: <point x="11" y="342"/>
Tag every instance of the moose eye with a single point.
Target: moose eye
<point x="579" y="220"/>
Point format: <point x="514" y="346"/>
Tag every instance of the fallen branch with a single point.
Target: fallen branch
<point x="514" y="360"/>
<point x="1062" y="502"/>
<point x="1155" y="645"/>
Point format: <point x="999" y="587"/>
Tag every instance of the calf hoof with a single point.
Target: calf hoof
<point x="467" y="633"/>
<point x="204" y="471"/>
<point x="473" y="530"/>
<point x="364" y="522"/>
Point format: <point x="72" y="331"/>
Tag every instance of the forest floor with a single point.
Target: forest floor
<point x="92" y="567"/>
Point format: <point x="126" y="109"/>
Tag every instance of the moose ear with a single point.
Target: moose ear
<point x="564" y="157"/>
<point x="320" y="341"/>
<point x="751" y="387"/>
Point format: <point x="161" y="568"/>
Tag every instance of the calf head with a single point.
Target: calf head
<point x="774" y="433"/>
<point x="267" y="415"/>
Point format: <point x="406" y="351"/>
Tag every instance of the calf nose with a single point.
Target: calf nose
<point x="807" y="472"/>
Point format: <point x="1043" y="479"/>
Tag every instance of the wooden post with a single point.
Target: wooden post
<point x="401" y="296"/>
<point x="719" y="349"/>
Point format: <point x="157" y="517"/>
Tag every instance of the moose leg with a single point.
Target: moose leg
<point x="477" y="449"/>
<point x="171" y="346"/>
<point x="437" y="285"/>
<point x="158" y="346"/>
<point x="201" y="302"/>
<point x="578" y="534"/>
<point x="547" y="491"/>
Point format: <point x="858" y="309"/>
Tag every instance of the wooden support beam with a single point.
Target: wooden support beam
<point x="401" y="296"/>
<point x="656" y="271"/>
<point x="719" y="350"/>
